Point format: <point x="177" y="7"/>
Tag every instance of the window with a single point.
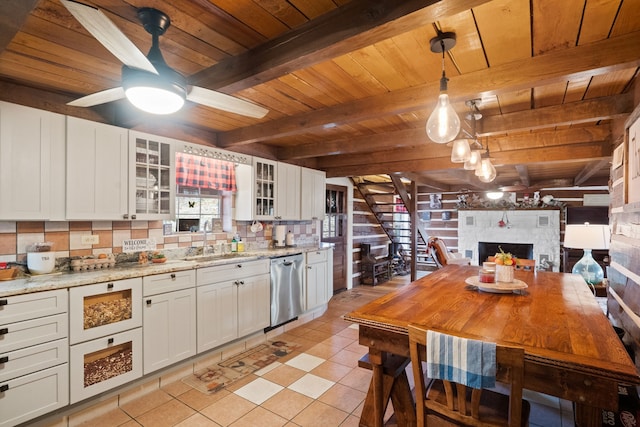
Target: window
<point x="201" y="183"/>
<point x="195" y="206"/>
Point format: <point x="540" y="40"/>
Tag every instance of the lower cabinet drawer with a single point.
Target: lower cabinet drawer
<point x="32" y="332"/>
<point x="101" y="364"/>
<point x="316" y="256"/>
<point x="31" y="359"/>
<point x="29" y="306"/>
<point x="232" y="271"/>
<point x="30" y="396"/>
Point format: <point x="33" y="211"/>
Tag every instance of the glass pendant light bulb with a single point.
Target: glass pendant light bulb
<point x="474" y="160"/>
<point x="461" y="152"/>
<point x="485" y="171"/>
<point x="443" y="124"/>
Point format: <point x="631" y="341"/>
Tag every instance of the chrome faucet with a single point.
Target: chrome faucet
<point x="206" y="228"/>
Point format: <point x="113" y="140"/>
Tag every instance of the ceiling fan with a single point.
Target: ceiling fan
<point x="147" y="81"/>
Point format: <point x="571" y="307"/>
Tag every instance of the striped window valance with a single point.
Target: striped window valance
<point x="205" y="172"/>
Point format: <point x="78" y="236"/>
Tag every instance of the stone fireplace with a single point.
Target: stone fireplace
<point x="527" y="233"/>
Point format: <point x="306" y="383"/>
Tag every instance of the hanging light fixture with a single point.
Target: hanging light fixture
<point x="461" y="151"/>
<point x="485" y="171"/>
<point x="443" y="124"/>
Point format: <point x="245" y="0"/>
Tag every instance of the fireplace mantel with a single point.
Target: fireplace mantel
<point x="540" y="227"/>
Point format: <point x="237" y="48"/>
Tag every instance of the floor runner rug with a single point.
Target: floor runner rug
<point x="214" y="378"/>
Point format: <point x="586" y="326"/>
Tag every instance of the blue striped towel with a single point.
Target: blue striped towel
<point x="461" y="360"/>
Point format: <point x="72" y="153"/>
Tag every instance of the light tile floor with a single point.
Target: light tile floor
<point x="318" y="385"/>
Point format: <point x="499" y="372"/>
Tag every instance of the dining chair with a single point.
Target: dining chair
<point x="441" y="402"/>
<point x="442" y="256"/>
<point x="521" y="263"/>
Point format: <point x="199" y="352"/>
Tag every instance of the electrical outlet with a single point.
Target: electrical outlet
<point x="90" y="239"/>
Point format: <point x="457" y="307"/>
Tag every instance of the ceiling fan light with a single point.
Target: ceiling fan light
<point x="474" y="160"/>
<point x="460" y="152"/>
<point x="154" y="100"/>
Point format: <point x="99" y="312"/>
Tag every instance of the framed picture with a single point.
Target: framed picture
<point x="632" y="174"/>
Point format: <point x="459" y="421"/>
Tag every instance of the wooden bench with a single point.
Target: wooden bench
<point x="395" y="386"/>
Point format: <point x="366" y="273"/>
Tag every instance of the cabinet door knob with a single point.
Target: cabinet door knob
<point x="173" y="276"/>
<point x="110" y="286"/>
<point x="4" y="302"/>
<point x="4" y="387"/>
<point x="110" y="341"/>
<point x="133" y="217"/>
<point x="4" y="331"/>
<point x="242" y="282"/>
<point x="4" y="359"/>
<point x="125" y="216"/>
<point x="148" y="302"/>
<point x="239" y="265"/>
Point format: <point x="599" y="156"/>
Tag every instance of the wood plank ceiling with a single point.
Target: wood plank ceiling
<point x="350" y="84"/>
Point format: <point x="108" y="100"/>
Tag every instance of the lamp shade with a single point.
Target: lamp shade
<point x="460" y="152"/>
<point x="587" y="236"/>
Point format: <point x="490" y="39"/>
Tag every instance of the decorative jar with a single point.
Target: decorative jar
<point x="504" y="273"/>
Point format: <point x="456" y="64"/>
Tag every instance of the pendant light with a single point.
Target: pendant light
<point x="443" y="124"/>
<point x="461" y="151"/>
<point x="485" y="171"/>
<point x="475" y="148"/>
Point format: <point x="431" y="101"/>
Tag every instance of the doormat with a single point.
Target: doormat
<point x="214" y="378"/>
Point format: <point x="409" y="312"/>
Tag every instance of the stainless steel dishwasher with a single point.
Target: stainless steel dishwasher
<point x="287" y="288"/>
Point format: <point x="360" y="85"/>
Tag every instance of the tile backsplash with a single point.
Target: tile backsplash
<point x="66" y="236"/>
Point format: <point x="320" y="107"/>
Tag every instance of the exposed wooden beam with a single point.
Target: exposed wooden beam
<point x="556" y="66"/>
<point x="426" y="182"/>
<point x="353" y="166"/>
<point x="573" y="113"/>
<point x="589" y="170"/>
<point x="357" y="24"/>
<point x="523" y="173"/>
<point x="408" y="138"/>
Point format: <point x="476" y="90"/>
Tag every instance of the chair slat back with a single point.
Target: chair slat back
<point x="464" y="405"/>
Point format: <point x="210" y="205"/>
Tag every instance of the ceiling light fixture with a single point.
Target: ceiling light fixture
<point x="485" y="171"/>
<point x="461" y="151"/>
<point x="161" y="93"/>
<point x="474" y="146"/>
<point x="443" y="124"/>
<point x="494" y="195"/>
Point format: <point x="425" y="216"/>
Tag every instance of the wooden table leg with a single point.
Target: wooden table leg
<point x="376" y="357"/>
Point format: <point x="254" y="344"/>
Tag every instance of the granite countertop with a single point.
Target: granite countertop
<point x="69" y="279"/>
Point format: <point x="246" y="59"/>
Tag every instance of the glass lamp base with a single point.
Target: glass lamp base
<point x="589" y="269"/>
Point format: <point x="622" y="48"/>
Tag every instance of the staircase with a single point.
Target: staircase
<point x="390" y="202"/>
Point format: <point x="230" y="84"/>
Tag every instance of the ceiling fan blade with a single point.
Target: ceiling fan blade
<point x="99" y="98"/>
<point x="105" y="31"/>
<point x="225" y="102"/>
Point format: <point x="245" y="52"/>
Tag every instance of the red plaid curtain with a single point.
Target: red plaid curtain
<point x="204" y="172"/>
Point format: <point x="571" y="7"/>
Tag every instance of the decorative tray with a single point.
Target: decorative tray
<point x="496" y="287"/>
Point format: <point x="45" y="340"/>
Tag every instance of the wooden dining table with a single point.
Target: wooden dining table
<point x="571" y="349"/>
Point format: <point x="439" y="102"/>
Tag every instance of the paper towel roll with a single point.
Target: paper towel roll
<point x="280" y="235"/>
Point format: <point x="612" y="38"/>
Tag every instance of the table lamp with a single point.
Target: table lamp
<point x="587" y="237"/>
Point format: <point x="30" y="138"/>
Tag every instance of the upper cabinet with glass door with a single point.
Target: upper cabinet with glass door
<point x="265" y="188"/>
<point x="152" y="176"/>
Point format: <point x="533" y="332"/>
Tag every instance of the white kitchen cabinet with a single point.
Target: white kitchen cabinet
<point x="169" y="319"/>
<point x="34" y="355"/>
<point x="312" y="194"/>
<point x="233" y="300"/>
<point x="97" y="171"/>
<point x="268" y="191"/>
<point x="288" y="192"/>
<point x="318" y="278"/>
<point x="32" y="163"/>
<point x="152" y="176"/>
